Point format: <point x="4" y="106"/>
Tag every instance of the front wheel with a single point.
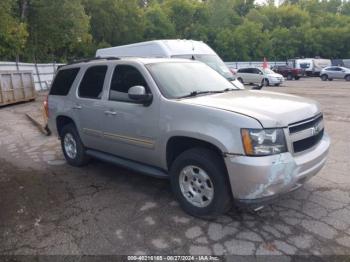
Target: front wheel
<point x="199" y="182"/>
<point x="72" y="147"/>
<point x="347" y="78"/>
<point x="324" y="77"/>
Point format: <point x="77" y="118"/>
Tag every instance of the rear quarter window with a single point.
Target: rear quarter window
<point x="63" y="81"/>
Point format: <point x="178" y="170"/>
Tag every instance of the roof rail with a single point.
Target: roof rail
<point x="92" y="59"/>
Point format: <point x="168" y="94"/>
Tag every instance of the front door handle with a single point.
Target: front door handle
<point x="112" y="113"/>
<point x="77" y="107"/>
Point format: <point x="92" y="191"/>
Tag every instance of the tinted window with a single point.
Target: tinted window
<point x="92" y="84"/>
<point x="255" y="71"/>
<point x="245" y="70"/>
<point x="63" y="81"/>
<point x="125" y="77"/>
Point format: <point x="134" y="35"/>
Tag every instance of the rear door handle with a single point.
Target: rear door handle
<point x="112" y="113"/>
<point x="77" y="107"/>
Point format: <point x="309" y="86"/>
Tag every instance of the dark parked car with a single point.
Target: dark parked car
<point x="289" y="72"/>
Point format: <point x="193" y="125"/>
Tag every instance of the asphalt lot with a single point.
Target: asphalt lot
<point x="48" y="207"/>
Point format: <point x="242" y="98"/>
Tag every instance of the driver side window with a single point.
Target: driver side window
<point x="125" y="77"/>
<point x="257" y="71"/>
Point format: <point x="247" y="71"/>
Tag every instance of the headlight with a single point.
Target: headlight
<point x="263" y="142"/>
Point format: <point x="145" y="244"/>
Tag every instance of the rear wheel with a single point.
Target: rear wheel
<point x="72" y="147"/>
<point x="324" y="77"/>
<point x="240" y="80"/>
<point x="199" y="182"/>
<point x="347" y="78"/>
<point x="289" y="77"/>
<point x="297" y="77"/>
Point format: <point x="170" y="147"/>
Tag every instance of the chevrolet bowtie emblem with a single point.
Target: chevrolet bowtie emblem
<point x="316" y="129"/>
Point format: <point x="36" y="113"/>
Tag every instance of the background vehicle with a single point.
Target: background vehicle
<point x="254" y="75"/>
<point x="138" y="114"/>
<point x="312" y="66"/>
<point x="335" y="72"/>
<point x="289" y="72"/>
<point x="187" y="49"/>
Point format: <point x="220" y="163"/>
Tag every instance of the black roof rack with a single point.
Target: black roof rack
<point x="92" y="59"/>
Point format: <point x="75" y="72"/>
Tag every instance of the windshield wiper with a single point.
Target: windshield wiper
<point x="229" y="90"/>
<point x="196" y="93"/>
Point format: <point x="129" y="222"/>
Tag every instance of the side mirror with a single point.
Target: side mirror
<point x="139" y="95"/>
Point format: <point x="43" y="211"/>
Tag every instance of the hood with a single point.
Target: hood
<point x="274" y="75"/>
<point x="269" y="108"/>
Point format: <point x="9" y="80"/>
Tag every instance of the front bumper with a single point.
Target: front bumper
<point x="275" y="81"/>
<point x="257" y="180"/>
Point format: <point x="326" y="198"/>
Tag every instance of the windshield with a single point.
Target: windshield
<point x="268" y="71"/>
<point x="179" y="79"/>
<point x="214" y="62"/>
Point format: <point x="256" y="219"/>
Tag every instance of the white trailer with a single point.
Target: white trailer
<point x="311" y="66"/>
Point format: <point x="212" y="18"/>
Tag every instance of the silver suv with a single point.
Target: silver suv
<point x="335" y="72"/>
<point x="179" y="119"/>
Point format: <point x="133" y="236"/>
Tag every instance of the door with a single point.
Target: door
<point x="132" y="129"/>
<point x="258" y="76"/>
<point x="89" y="107"/>
<point x="338" y="73"/>
<point x="248" y="75"/>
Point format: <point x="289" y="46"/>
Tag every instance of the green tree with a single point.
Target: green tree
<point x="184" y="14"/>
<point x="58" y="29"/>
<point x="115" y="22"/>
<point x="13" y="34"/>
<point x="157" y="23"/>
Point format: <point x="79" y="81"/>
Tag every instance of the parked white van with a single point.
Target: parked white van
<point x="188" y="49"/>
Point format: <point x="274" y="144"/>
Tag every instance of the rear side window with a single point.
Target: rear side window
<point x="92" y="84"/>
<point x="63" y="81"/>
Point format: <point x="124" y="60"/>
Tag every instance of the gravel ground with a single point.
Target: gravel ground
<point x="48" y="207"/>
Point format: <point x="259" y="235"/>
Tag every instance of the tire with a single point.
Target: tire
<point x="289" y="77"/>
<point x="201" y="163"/>
<point x="265" y="82"/>
<point x="240" y="80"/>
<point x="277" y="84"/>
<point x="75" y="156"/>
<point x="347" y="78"/>
<point x="297" y="77"/>
<point x="324" y="77"/>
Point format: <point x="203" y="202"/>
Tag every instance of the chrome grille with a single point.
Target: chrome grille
<point x="307" y="133"/>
